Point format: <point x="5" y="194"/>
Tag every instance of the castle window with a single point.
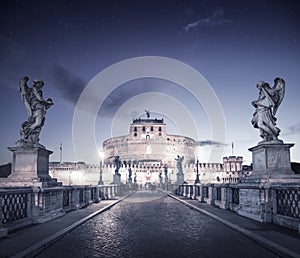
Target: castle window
<point x="159" y="129"/>
<point x="144" y="128"/>
<point x="135" y="129"/>
<point x="151" y="128"/>
<point x="159" y="134"/>
<point x="147" y="137"/>
<point x="135" y="134"/>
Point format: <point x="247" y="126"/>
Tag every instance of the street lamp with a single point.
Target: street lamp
<point x="101" y="155"/>
<point x="197" y="181"/>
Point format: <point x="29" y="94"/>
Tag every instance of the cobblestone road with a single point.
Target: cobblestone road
<point x="150" y="224"/>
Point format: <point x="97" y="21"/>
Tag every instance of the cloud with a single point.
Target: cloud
<point x="130" y="89"/>
<point x="67" y="83"/>
<point x="215" y="19"/>
<point x="210" y="143"/>
<point x="293" y="129"/>
<point x="71" y="86"/>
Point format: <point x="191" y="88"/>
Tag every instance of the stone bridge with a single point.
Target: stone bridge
<point x="121" y="221"/>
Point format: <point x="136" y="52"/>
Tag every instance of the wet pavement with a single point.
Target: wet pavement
<point x="152" y="224"/>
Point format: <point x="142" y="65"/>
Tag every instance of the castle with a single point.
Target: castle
<point x="149" y="152"/>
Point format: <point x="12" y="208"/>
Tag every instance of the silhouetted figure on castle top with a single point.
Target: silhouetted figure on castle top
<point x="36" y="108"/>
<point x="266" y="106"/>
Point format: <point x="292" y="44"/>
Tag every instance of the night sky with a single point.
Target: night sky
<point x="233" y="44"/>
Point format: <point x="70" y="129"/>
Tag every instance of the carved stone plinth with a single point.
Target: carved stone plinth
<point x="271" y="159"/>
<point x="180" y="178"/>
<point x="30" y="166"/>
<point x="116" y="179"/>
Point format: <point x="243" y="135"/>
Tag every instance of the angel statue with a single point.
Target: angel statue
<point x="179" y="163"/>
<point x="117" y="162"/>
<point x="36" y="108"/>
<point x="266" y="105"/>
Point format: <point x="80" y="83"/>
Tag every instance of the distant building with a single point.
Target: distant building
<point x="149" y="144"/>
<point x="147" y="151"/>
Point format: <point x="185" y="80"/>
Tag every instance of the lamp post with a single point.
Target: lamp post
<point x="197" y="181"/>
<point x="101" y="155"/>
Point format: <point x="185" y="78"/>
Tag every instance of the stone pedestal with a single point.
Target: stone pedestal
<point x="116" y="179"/>
<point x="180" y="178"/>
<point x="271" y="159"/>
<point x="30" y="166"/>
<point x="271" y="163"/>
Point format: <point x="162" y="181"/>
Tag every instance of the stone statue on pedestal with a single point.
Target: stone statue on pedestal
<point x="179" y="160"/>
<point x="166" y="174"/>
<point x="117" y="164"/>
<point x="266" y="106"/>
<point x="129" y="175"/>
<point x="36" y="108"/>
<point x="271" y="157"/>
<point x="160" y="177"/>
<point x="30" y="163"/>
<point x="180" y="175"/>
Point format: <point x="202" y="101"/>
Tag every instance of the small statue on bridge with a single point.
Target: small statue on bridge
<point x="129" y="175"/>
<point x="166" y="174"/>
<point x="266" y="106"/>
<point x="160" y="177"/>
<point x="36" y="108"/>
<point x="179" y="160"/>
<point x="117" y="164"/>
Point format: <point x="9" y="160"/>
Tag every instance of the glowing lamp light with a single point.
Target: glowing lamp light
<point x="101" y="154"/>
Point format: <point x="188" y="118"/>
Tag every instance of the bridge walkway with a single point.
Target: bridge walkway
<point x="29" y="241"/>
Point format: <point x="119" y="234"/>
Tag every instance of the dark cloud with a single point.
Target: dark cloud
<point x="130" y="89"/>
<point x="71" y="86"/>
<point x="67" y="83"/>
<point x="210" y="143"/>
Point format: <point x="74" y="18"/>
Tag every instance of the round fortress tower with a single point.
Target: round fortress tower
<point x="149" y="142"/>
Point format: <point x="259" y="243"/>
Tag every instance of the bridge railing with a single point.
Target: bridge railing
<point x="277" y="204"/>
<point x="23" y="206"/>
<point x="286" y="206"/>
<point x="15" y="208"/>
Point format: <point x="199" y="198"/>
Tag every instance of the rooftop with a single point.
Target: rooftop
<point x="148" y="121"/>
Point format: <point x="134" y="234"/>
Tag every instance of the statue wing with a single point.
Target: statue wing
<point x="279" y="89"/>
<point x="25" y="92"/>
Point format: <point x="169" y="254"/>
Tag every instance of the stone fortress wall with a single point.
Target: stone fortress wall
<point x="83" y="174"/>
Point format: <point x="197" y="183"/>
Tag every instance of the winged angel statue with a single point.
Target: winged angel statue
<point x="266" y="106"/>
<point x="179" y="160"/>
<point x="36" y="108"/>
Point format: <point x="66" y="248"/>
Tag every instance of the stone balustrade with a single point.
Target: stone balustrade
<point x="22" y="206"/>
<point x="279" y="204"/>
